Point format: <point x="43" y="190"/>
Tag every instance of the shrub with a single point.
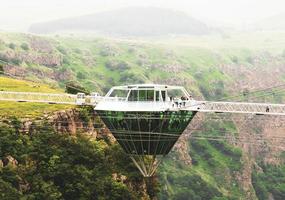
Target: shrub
<point x="78" y="51"/>
<point x="16" y="61"/>
<point x="3" y="57"/>
<point x="12" y="46"/>
<point x="131" y="78"/>
<point x="205" y="91"/>
<point x="250" y="60"/>
<point x="131" y="50"/>
<point x="25" y="46"/>
<point x="117" y="65"/>
<point x="65" y="60"/>
<point x="62" y="50"/>
<point x="1" y="69"/>
<point x="81" y="75"/>
<point x="235" y="59"/>
<point x="74" y="88"/>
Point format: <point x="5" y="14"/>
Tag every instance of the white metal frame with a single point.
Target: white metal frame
<point x="121" y="104"/>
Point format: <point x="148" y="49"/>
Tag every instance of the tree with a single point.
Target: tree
<point x="8" y="192"/>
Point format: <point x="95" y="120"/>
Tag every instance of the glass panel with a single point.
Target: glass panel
<point x="142" y="95"/>
<point x="150" y="95"/>
<point x="119" y="93"/>
<point x="177" y="93"/>
<point x="153" y="133"/>
<point x="157" y="95"/>
<point x="133" y="95"/>
<point x="163" y="95"/>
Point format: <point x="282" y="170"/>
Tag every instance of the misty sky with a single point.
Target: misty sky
<point x="17" y="15"/>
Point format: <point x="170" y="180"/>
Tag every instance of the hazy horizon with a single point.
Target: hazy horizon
<point x="18" y="15"/>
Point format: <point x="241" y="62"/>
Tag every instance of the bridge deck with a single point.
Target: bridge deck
<point x="237" y="107"/>
<point x="192" y="105"/>
<point x="38" y="97"/>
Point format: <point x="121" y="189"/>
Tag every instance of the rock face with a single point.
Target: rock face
<point x="249" y="77"/>
<point x="71" y="122"/>
<point x="45" y="59"/>
<point x="40" y="44"/>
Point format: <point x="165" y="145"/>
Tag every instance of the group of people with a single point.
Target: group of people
<point x="179" y="102"/>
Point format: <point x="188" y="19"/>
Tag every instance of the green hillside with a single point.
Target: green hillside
<point x="211" y="67"/>
<point x="26" y="110"/>
<point x="99" y="63"/>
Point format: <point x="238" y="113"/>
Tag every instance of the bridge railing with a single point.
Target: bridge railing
<point x="238" y="107"/>
<point x="38" y="97"/>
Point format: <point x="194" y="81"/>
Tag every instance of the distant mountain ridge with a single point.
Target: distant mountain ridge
<point x="276" y="22"/>
<point x="133" y="21"/>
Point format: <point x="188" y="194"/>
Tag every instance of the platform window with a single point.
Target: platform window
<point x="150" y="95"/>
<point x="157" y="95"/>
<point x="119" y="93"/>
<point x="146" y="95"/>
<point x="133" y="95"/>
<point x="163" y="94"/>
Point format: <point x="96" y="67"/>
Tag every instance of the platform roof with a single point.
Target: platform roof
<point x="147" y="86"/>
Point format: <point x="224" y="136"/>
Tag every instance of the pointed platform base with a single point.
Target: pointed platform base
<point x="147" y="164"/>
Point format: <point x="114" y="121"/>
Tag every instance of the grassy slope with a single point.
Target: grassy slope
<point x="29" y="110"/>
<point x="214" y="162"/>
<point x="200" y="58"/>
<point x="195" y="55"/>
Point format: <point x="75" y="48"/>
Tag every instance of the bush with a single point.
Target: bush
<point x="81" y="75"/>
<point x="16" y="61"/>
<point x="12" y="46"/>
<point x="235" y="59"/>
<point x="131" y="50"/>
<point x="117" y="65"/>
<point x="250" y="60"/>
<point x="25" y="46"/>
<point x="77" y="50"/>
<point x="1" y="69"/>
<point x="201" y="147"/>
<point x="205" y="91"/>
<point x="62" y="50"/>
<point x="65" y="60"/>
<point x="74" y="88"/>
<point x="3" y="57"/>
<point x="131" y="78"/>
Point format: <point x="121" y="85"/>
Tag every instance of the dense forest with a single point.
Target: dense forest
<point x="47" y="165"/>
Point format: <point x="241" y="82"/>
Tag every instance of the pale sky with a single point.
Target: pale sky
<point x="17" y="15"/>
